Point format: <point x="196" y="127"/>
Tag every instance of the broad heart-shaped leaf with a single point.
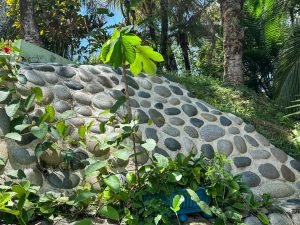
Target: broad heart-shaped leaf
<point x="40" y="131"/>
<point x="157" y="219"/>
<point x="114" y="55"/>
<point x="12" y="109"/>
<point x="104" y="50"/>
<point x="123" y="154"/>
<point x="84" y="196"/>
<point x="4" y="198"/>
<point x="149" y="145"/>
<point x="14" y="136"/>
<point x="92" y="168"/>
<point x="202" y="205"/>
<point x="4" y="95"/>
<point x="162" y="161"/>
<point x="113" y="182"/>
<point x="177" y="201"/>
<point x="109" y="212"/>
<point x="38" y="93"/>
<point x="84" y="222"/>
<point x="128" y="50"/>
<point x="145" y="56"/>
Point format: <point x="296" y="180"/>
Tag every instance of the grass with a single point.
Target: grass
<point x="267" y="116"/>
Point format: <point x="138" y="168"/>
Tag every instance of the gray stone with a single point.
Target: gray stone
<point x="85" y="111"/>
<point x="85" y="75"/>
<point x="260" y="154"/>
<point x="131" y="92"/>
<point x="235" y="119"/>
<point x="176" y="121"/>
<point x="225" y="146"/>
<point x="115" y="80"/>
<point x="161" y="100"/>
<point x="159" y="105"/>
<point x="249" y="128"/>
<point x="22" y="156"/>
<point x="132" y="83"/>
<point x="34" y="176"/>
<point x="209" y="117"/>
<point x="189" y="145"/>
<point x="279" y="219"/>
<point x="295" y="164"/>
<point x="233" y="130"/>
<point x="279" y="154"/>
<point x="143" y="117"/>
<point x="191" y="131"/>
<point x="142" y="158"/>
<point x="145" y="83"/>
<point x="251" y="140"/>
<point x="160" y="151"/>
<point x="287" y="174"/>
<point x="44" y="68"/>
<point x="94" y="88"/>
<point x="172" y="111"/>
<point x="186" y="99"/>
<point x="202" y="107"/>
<point x="65" y="71"/>
<point x="190" y="95"/>
<point x="103" y="101"/>
<point x="145" y="103"/>
<point x="172" y="131"/>
<point x="62" y="106"/>
<point x="277" y="189"/>
<point x="225" y="121"/>
<point x="105" y="81"/>
<point x="62" y="92"/>
<point x="144" y="94"/>
<point x="216" y="112"/>
<point x="162" y="91"/>
<point x="269" y="171"/>
<point x="76" y="121"/>
<point x="4" y="122"/>
<point x="189" y="110"/>
<point x="296" y="218"/>
<point x="76" y="161"/>
<point x="134" y="103"/>
<point x="240" y="162"/>
<point x="156" y="80"/>
<point x="27" y="138"/>
<point x="51" y="78"/>
<point x="116" y="94"/>
<point x="208" y="151"/>
<point x="264" y="141"/>
<point x="48" y="95"/>
<point x="172" y="144"/>
<point x="63" y="180"/>
<point x="211" y="132"/>
<point x="174" y="101"/>
<point x="151" y="133"/>
<point x="240" y="144"/>
<point x="252" y="220"/>
<point x="35" y="78"/>
<point x="196" y="122"/>
<point x="157" y="118"/>
<point x="251" y="179"/>
<point x="83" y="98"/>
<point x="176" y="90"/>
<point x="73" y="84"/>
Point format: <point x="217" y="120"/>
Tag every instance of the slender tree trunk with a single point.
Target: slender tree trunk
<point x="233" y="35"/>
<point x="164" y="32"/>
<point x="184" y="45"/>
<point x="29" y="27"/>
<point x="213" y="40"/>
<point x="148" y="7"/>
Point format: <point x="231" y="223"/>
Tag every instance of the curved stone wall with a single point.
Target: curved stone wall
<point x="180" y="123"/>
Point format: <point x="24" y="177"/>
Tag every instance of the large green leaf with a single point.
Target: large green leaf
<point x="202" y="205"/>
<point x="177" y="201"/>
<point x="40" y="131"/>
<point x="128" y="50"/>
<point x="84" y="222"/>
<point x="14" y="136"/>
<point x="149" y="145"/>
<point x="92" y="168"/>
<point x="12" y="109"/>
<point x="38" y="94"/>
<point x="84" y="196"/>
<point x="113" y="182"/>
<point x="109" y="212"/>
<point x="4" y="95"/>
<point x="123" y="154"/>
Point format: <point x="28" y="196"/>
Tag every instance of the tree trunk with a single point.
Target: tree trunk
<point x="184" y="45"/>
<point x="29" y="29"/>
<point x="164" y="32"/>
<point x="213" y="40"/>
<point x="233" y="34"/>
<point x="149" y="7"/>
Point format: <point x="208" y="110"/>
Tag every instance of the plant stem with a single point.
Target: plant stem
<point x="129" y="111"/>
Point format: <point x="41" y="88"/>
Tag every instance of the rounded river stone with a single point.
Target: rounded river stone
<point x="65" y="71"/>
<point x="156" y="80"/>
<point x="103" y="101"/>
<point x="242" y="162"/>
<point x="160" y="151"/>
<point x="85" y="111"/>
<point x="287" y="174"/>
<point x="85" y="75"/>
<point x="132" y="83"/>
<point x="161" y="100"/>
<point x="225" y="121"/>
<point x="240" y="144"/>
<point x="208" y="151"/>
<point x="268" y="170"/>
<point x="216" y="112"/>
<point x="172" y="144"/>
<point x="202" y="107"/>
<point x="144" y="94"/>
<point x="279" y="154"/>
<point x="72" y="84"/>
<point x="264" y="141"/>
<point x="44" y="68"/>
<point x="51" y="78"/>
<point x="250" y="178"/>
<point x="114" y="79"/>
<point x="172" y="111"/>
<point x="48" y="95"/>
<point x="189" y="110"/>
<point x="233" y="130"/>
<point x="225" y="146"/>
<point x="295" y="164"/>
<point x="22" y="156"/>
<point x="4" y="123"/>
<point x="62" y="106"/>
<point x="94" y="88"/>
<point x="145" y="103"/>
<point x="251" y="140"/>
<point x="211" y="132"/>
<point x="197" y="122"/>
<point x="176" y="121"/>
<point x="249" y="128"/>
<point x="134" y="103"/>
<point x="143" y="117"/>
<point x="116" y="94"/>
<point x="146" y="84"/>
<point x="131" y="92"/>
<point x="83" y="98"/>
<point x="159" y="105"/>
<point x="277" y="189"/>
<point x="63" y="180"/>
<point x="151" y="133"/>
<point x="186" y="99"/>
<point x="191" y="131"/>
<point x="209" y="117"/>
<point x="162" y="91"/>
<point x="174" y="101"/>
<point x="76" y="161"/>
<point x="176" y="90"/>
<point x="172" y="131"/>
<point x="260" y="154"/>
<point x="189" y="145"/>
<point x="35" y="77"/>
<point x="157" y="118"/>
<point x="280" y="219"/>
<point x="62" y="92"/>
<point x="105" y="81"/>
